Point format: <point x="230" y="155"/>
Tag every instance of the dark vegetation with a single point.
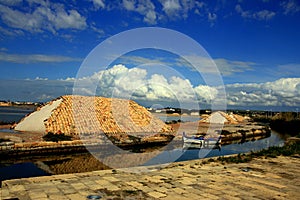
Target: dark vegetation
<point x="56" y="137"/>
<point x="287" y="123"/>
<point x="4" y="140"/>
<point x="173" y="121"/>
<point x="225" y="132"/>
<point x="291" y="128"/>
<point x="292" y="149"/>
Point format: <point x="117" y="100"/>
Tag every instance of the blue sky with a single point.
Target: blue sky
<point x="255" y="45"/>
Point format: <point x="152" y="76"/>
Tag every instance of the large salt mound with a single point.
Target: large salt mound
<point x="35" y="121"/>
<point x="74" y="115"/>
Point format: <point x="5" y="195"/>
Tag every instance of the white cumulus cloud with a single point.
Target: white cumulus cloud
<point x="99" y="4"/>
<point x="134" y="83"/>
<point x="144" y="7"/>
<point x="171" y="7"/>
<point x="41" y="16"/>
<point x="282" y="92"/>
<point x="120" y="81"/>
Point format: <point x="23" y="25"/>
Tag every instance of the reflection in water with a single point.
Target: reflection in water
<point x="71" y="164"/>
<point x="86" y="162"/>
<point x="41" y="166"/>
<point x="187" y="146"/>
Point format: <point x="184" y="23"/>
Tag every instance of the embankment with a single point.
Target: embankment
<point x="244" y="133"/>
<point x="10" y="149"/>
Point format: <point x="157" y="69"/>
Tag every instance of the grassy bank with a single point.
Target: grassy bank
<point x="291" y="149"/>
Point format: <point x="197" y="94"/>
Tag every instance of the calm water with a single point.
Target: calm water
<point x="182" y="154"/>
<point x="13" y="114"/>
<point x="20" y="170"/>
<point x="184" y="118"/>
<point x="40" y="166"/>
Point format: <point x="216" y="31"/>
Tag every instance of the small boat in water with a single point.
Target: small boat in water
<point x="192" y="139"/>
<point x="201" y="140"/>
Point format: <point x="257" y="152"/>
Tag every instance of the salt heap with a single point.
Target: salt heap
<point x="74" y="115"/>
<point x="220" y="117"/>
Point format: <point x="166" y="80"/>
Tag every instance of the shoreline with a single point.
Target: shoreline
<point x="29" y="143"/>
<point x="250" y="169"/>
<point x="259" y="178"/>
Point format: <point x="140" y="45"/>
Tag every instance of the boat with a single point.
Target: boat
<point x="192" y="139"/>
<point x="201" y="140"/>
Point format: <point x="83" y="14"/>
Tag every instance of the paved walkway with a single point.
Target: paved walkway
<point x="272" y="178"/>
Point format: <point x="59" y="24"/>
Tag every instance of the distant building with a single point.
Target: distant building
<point x="194" y="113"/>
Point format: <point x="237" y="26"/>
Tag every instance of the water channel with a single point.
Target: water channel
<point x="84" y="162"/>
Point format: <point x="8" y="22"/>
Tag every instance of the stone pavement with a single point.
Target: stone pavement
<point x="272" y="178"/>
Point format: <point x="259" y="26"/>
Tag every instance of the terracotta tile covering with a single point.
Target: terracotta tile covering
<point x="114" y="117"/>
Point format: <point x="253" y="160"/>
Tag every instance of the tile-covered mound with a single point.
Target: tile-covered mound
<point x="118" y="118"/>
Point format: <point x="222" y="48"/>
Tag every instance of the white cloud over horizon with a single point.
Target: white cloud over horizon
<point x="122" y="82"/>
<point x="282" y="92"/>
<point x="119" y="81"/>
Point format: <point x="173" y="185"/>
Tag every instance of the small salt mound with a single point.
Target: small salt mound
<point x="220" y="117"/>
<point x="217" y="118"/>
<point x="35" y="121"/>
